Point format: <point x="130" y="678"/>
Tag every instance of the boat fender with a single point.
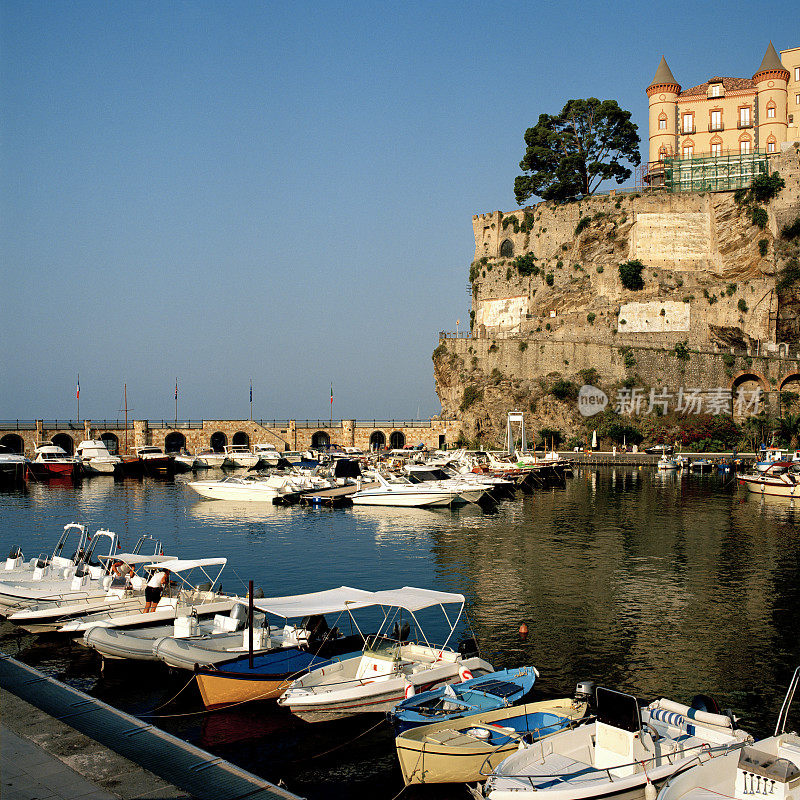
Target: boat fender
<point x="692" y="713"/>
<point x="464" y="674"/>
<point x="409" y="690"/>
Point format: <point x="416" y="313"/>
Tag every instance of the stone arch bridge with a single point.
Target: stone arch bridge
<point x="197" y="435"/>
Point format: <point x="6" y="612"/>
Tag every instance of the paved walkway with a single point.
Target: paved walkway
<point x="42" y="758"/>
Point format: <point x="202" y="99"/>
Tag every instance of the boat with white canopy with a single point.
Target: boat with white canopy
<point x="192" y="592"/>
<point x="296" y="647"/>
<point x="626" y="750"/>
<point x="16" y="568"/>
<point x="392" y="664"/>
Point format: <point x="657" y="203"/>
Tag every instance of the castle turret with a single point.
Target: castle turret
<point x="663" y="96"/>
<point x="771" y="81"/>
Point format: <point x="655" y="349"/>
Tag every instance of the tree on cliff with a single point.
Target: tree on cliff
<point x="572" y="152"/>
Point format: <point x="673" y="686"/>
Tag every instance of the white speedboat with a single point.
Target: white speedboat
<point x="246" y="489"/>
<point x="401" y="492"/>
<point x="154" y="461"/>
<point x="13" y="467"/>
<point x="80" y="576"/>
<point x="779" y="478"/>
<point x="267" y="454"/>
<point x="210" y="459"/>
<point x="16" y="568"/>
<point x="391" y="665"/>
<point x="619" y="755"/>
<point x="96" y="459"/>
<point x="668" y="463"/>
<point x="184" y="461"/>
<point x="769" y="768"/>
<point x="193" y="592"/>
<point x="471" y="491"/>
<point x="117" y="595"/>
<point x="239" y="456"/>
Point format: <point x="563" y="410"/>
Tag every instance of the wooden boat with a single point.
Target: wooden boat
<point x="454" y="700"/>
<point x="780" y="478"/>
<point x="155" y="462"/>
<point x="455" y="751"/>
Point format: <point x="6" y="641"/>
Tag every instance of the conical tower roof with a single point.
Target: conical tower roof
<point x="771" y="61"/>
<point x="663" y="74"/>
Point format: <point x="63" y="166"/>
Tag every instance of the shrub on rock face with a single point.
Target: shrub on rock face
<point x="564" y="390"/>
<point x="471" y="395"/>
<point x="765" y="187"/>
<point x="791" y="231"/>
<point x="630" y="273"/>
<point x="759" y="217"/>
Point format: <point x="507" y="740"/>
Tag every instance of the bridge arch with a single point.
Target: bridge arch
<point x="377" y="440"/>
<point x="65" y="442"/>
<point x="397" y="440"/>
<point x="111" y="442"/>
<point x="240" y="437"/>
<point x="748" y="376"/>
<point x="790" y="377"/>
<point x="174" y="442"/>
<point x="218" y="441"/>
<point x="14" y="442"/>
<point x="320" y="439"/>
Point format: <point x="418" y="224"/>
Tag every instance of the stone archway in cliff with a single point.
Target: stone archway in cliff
<point x="744" y="388"/>
<point x="218" y="441"/>
<point x="241" y="438"/>
<point x="789" y="388"/>
<point x="14" y="442"/>
<point x="397" y="440"/>
<point x="174" y="442"/>
<point x="320" y="440"/>
<point x="377" y="440"/>
<point x="111" y="442"/>
<point x="746" y="378"/>
<point x="65" y="442"/>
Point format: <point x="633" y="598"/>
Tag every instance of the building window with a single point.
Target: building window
<point x="662" y="123"/>
<point x="744" y="117"/>
<point x="770" y="147"/>
<point x="716" y="90"/>
<point x="797" y="99"/>
<point x="688" y="151"/>
<point x="744" y="147"/>
<point x="506" y="248"/>
<point x="688" y="123"/>
<point x="716" y="149"/>
<point x="662" y="153"/>
<point x="797" y="73"/>
<point x="771" y="111"/>
<point x="716" y="121"/>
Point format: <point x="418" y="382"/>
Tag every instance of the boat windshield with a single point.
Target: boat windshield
<point x="382" y="647"/>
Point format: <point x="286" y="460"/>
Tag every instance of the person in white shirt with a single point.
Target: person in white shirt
<point x="153" y="590"/>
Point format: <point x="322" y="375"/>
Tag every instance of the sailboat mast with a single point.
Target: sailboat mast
<point x="125" y="391"/>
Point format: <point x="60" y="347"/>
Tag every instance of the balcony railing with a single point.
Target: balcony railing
<point x="744" y="124"/>
<point x="715" y="127"/>
<point x="686" y="131"/>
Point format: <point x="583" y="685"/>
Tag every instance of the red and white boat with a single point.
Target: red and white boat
<point x="781" y="478"/>
<point x="52" y="461"/>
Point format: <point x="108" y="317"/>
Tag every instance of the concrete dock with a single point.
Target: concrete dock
<point x="61" y="744"/>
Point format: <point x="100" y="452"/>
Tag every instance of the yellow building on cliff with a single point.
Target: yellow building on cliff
<point x="725" y="118"/>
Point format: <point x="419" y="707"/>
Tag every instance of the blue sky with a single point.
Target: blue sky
<point x="220" y="191"/>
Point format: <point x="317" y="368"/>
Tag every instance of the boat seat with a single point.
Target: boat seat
<point x="556" y="769"/>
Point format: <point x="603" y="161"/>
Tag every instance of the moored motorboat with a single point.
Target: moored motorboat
<point x="779" y="478"/>
<point x="455" y="700"/>
<point x="380" y="676"/>
<point x="96" y="458"/>
<point x="154" y="461"/>
<point x="239" y="456"/>
<point x="299" y="647"/>
<point x="13" y="467"/>
<point x="401" y="492"/>
<point x="245" y="489"/>
<point x="52" y="461"/>
<point x="464" y="750"/>
<point x="619" y="755"/>
<point x="193" y="592"/>
<point x="769" y="767"/>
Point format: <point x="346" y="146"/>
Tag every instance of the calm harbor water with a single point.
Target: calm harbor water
<point x="660" y="585"/>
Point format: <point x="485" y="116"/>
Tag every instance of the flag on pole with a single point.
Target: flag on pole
<point x="176" y="388"/>
<point x="251" y="391"/>
<point x="78" y="389"/>
<point x="331" y="394"/>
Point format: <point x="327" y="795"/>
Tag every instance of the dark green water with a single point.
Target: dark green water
<point x="660" y="585"/>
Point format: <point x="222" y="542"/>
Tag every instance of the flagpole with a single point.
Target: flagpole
<point x="251" y="399"/>
<point x="78" y="396"/>
<point x="176" y="402"/>
<point x="331" y="405"/>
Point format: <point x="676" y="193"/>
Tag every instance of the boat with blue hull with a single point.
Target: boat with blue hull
<point x="485" y="693"/>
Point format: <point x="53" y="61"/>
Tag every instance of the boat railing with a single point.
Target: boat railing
<point x="780" y="726"/>
<point x="682" y="757"/>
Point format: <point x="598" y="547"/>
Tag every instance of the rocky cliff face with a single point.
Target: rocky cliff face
<point x="549" y="304"/>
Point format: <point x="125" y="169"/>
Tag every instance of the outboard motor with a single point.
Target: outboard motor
<point x="239" y="613"/>
<point x="468" y="648"/>
<point x="584" y="692"/>
<point x="702" y="702"/>
<point x="14" y="559"/>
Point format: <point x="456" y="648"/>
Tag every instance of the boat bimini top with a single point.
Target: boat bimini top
<point x="346" y="598"/>
<point x="187" y="565"/>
